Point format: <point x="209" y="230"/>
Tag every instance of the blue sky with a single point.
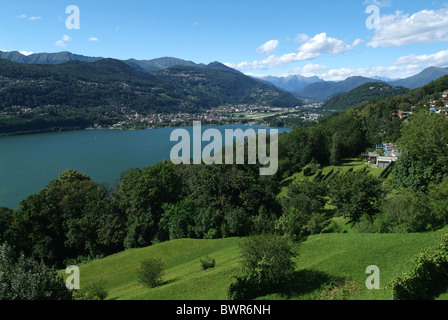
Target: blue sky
<point x="327" y="38"/>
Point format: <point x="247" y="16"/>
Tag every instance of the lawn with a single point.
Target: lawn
<point x="322" y="259"/>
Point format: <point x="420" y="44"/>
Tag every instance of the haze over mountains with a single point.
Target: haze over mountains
<point x="313" y="88"/>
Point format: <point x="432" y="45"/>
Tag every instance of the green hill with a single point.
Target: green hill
<point x="364" y="93"/>
<point x="323" y="258"/>
<point x="80" y="94"/>
<point x="328" y="89"/>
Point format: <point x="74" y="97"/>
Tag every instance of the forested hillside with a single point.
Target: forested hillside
<point x="362" y="94"/>
<point x="80" y="94"/>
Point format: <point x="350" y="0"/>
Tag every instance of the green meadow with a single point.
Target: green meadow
<point x="321" y="261"/>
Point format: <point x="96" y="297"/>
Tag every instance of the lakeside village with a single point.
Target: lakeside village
<point x="227" y="114"/>
<point x="127" y="118"/>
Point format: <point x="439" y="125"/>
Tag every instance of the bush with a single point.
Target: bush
<point x="266" y="261"/>
<point x="428" y="277"/>
<point x="207" y="263"/>
<point x="340" y="289"/>
<point x="96" y="291"/>
<point x="310" y="169"/>
<point x="151" y="272"/>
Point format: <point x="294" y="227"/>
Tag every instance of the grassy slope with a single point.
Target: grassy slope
<point x="184" y="279"/>
<point x="322" y="257"/>
<point x="343" y="167"/>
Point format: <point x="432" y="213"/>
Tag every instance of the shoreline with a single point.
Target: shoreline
<point x="65" y="129"/>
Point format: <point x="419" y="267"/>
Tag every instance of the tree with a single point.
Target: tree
<point x="308" y="196"/>
<point x="143" y="193"/>
<point x="178" y="219"/>
<point x="424" y="144"/>
<point x="64" y="220"/>
<point x="266" y="261"/>
<point x="25" y="279"/>
<point x="355" y="194"/>
<point x="6" y="218"/>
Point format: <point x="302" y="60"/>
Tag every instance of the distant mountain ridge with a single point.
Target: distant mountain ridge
<point x="421" y="79"/>
<point x="329" y="89"/>
<point x="45" y="58"/>
<point x="322" y="90"/>
<point x="290" y="83"/>
<point x="312" y="88"/>
<point x="141" y="65"/>
<point x="370" y="91"/>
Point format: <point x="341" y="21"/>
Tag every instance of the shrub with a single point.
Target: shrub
<point x="266" y="261"/>
<point x="340" y="289"/>
<point x="96" y="291"/>
<point x="207" y="263"/>
<point x="151" y="272"/>
<point x="310" y="169"/>
<point x="428" y="277"/>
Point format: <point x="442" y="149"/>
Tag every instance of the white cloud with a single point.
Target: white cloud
<point x="399" y="29"/>
<point x="313" y="48"/>
<point x="269" y="47"/>
<point x="322" y="44"/>
<point x="93" y="39"/>
<point x="26" y="53"/>
<point x="391" y="72"/>
<point x="24" y="16"/>
<point x="379" y="3"/>
<point x="301" y="37"/>
<point x="273" y="61"/>
<point x="439" y="59"/>
<point x="309" y="70"/>
<point x="62" y="43"/>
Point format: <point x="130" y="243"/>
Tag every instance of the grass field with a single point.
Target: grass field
<point x="322" y="258"/>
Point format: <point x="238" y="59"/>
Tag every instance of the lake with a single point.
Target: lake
<point x="28" y="163"/>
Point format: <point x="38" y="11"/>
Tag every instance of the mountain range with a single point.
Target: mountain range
<point x="81" y="94"/>
<point x="315" y="88"/>
<point x="142" y="65"/>
<point x="302" y="87"/>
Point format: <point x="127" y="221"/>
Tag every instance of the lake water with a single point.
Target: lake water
<point x="29" y="163"/>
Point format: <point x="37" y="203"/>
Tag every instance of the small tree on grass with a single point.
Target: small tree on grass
<point x="266" y="261"/>
<point x="151" y="272"/>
